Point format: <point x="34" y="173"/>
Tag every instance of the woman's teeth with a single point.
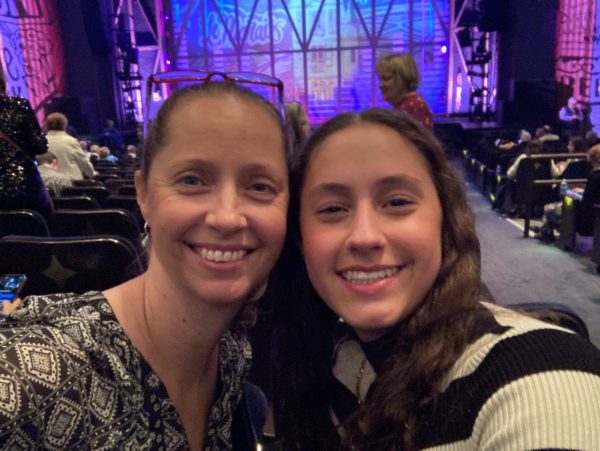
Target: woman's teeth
<point x="365" y="278"/>
<point x="220" y="256"/>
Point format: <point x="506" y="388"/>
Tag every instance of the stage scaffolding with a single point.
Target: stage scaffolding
<point x="459" y="63"/>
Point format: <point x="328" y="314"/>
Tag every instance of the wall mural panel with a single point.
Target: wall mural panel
<point x="323" y="50"/>
<point x="32" y="52"/>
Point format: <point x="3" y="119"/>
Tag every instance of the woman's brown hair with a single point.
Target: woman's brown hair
<point x="427" y="343"/>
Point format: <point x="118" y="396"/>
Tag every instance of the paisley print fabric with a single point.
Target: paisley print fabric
<point x="71" y="379"/>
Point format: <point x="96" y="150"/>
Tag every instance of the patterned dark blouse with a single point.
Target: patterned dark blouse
<point x="71" y="379"/>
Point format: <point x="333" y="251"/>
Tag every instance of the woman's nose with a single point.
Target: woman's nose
<point x="225" y="213"/>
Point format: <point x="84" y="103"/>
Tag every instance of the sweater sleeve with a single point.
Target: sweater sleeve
<point x="549" y="399"/>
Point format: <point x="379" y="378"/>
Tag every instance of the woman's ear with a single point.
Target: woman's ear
<point x="140" y="190"/>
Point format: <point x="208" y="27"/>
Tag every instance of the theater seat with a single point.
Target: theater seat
<point x="111" y="221"/>
<point x="97" y="192"/>
<point x="76" y="203"/>
<point x="22" y="222"/>
<point x="70" y="264"/>
<point x="555" y="313"/>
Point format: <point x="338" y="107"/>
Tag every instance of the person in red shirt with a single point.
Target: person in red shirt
<point x="398" y="82"/>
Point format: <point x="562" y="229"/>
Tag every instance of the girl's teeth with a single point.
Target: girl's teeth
<point x="365" y="278"/>
<point x="221" y="256"/>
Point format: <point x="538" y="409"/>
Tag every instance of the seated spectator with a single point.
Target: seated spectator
<point x="297" y="124"/>
<point x="524" y="138"/>
<point x="48" y="167"/>
<point x="544" y="134"/>
<point x="72" y="162"/>
<point x="575" y="168"/>
<point x="532" y="148"/>
<point x="591" y="139"/>
<point x="591" y="196"/>
<point x="105" y="155"/>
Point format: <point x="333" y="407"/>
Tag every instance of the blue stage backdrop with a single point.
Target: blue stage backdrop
<point x="323" y="50"/>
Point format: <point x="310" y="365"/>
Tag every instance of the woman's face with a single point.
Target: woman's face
<point x="389" y="85"/>
<point x="216" y="198"/>
<point x="371" y="223"/>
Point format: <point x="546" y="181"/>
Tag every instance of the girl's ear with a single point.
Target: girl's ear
<point x="140" y="189"/>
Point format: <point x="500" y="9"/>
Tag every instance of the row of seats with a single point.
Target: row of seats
<point x="73" y="250"/>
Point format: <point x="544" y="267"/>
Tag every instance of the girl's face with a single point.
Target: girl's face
<point x="216" y="198"/>
<point x="371" y="224"/>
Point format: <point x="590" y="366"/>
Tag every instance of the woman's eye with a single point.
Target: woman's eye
<point x="190" y="180"/>
<point x="262" y="188"/>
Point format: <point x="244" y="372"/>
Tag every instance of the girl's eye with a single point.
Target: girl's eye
<point x="398" y="202"/>
<point x="330" y="210"/>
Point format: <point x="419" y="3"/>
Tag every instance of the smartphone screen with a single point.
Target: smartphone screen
<point x="10" y="286"/>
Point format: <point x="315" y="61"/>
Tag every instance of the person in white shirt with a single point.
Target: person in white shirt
<point x="72" y="162"/>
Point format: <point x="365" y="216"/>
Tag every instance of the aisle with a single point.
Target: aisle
<point x="516" y="269"/>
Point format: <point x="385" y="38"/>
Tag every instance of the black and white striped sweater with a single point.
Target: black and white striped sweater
<point x="529" y="385"/>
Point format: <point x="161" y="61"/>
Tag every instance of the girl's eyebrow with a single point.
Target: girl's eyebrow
<point x="328" y="188"/>
<point x="403" y="180"/>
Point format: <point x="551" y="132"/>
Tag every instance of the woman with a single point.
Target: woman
<point x="21" y="139"/>
<point x="389" y="346"/>
<point x="398" y="83"/>
<point x="159" y="361"/>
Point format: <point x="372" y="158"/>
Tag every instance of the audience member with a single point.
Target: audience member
<point x="571" y="118"/>
<point x="72" y="162"/>
<point x="48" y="167"/>
<point x="384" y="343"/>
<point x="111" y="137"/>
<point x="21" y="139"/>
<point x="297" y="124"/>
<point x="585" y="214"/>
<point x="105" y="155"/>
<point x="575" y="168"/>
<point x="159" y="361"/>
<point x="544" y="134"/>
<point x="531" y="148"/>
<point x="398" y="82"/>
<point x="591" y="139"/>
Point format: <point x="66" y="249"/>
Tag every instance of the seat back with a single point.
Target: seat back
<point x="87" y="182"/>
<point x="22" y="222"/>
<point x="128" y="203"/>
<point x="71" y="264"/>
<point x="106" y="221"/>
<point x="578" y="169"/>
<point x="76" y="203"/>
<point x="555" y="313"/>
<point x="97" y="192"/>
<point x="531" y="169"/>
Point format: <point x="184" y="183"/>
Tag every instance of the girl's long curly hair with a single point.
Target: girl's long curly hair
<point x="427" y="342"/>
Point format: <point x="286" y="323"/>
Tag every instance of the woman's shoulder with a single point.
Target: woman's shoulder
<point x="15" y="102"/>
<point x="522" y="345"/>
<point x="74" y="320"/>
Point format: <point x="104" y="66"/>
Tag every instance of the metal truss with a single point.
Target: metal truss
<point x="472" y="68"/>
<point x="305" y="18"/>
<point x="133" y="60"/>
